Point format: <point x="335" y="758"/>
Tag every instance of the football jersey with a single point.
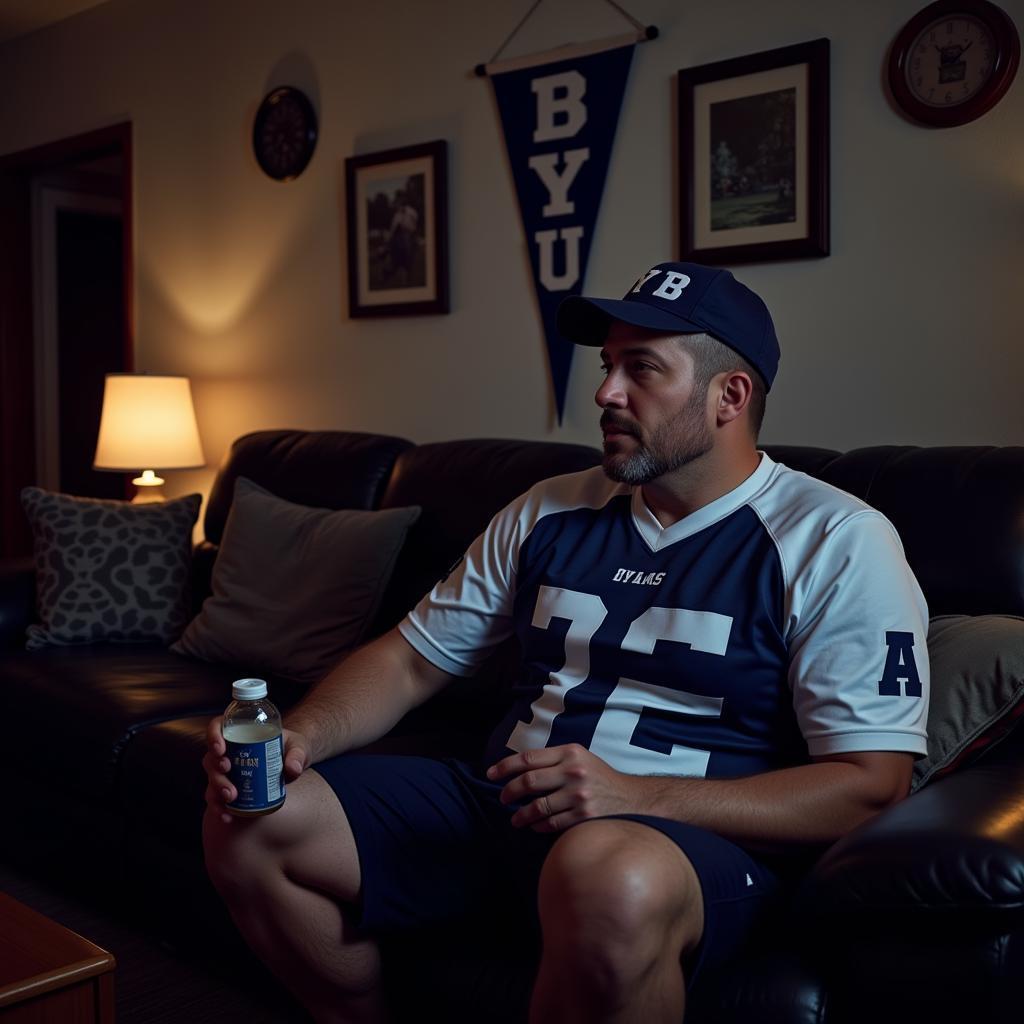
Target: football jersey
<point x="778" y="622"/>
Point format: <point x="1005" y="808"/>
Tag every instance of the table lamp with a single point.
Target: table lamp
<point x="148" y="423"/>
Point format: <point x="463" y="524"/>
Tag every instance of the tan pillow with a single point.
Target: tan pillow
<point x="294" y="587"/>
<point x="977" y="689"/>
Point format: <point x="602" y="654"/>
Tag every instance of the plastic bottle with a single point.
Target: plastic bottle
<point x="252" y="733"/>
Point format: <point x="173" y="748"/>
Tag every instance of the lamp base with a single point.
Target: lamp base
<point x="148" y="495"/>
<point x="148" y="488"/>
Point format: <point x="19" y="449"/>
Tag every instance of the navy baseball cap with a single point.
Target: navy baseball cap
<point x="682" y="298"/>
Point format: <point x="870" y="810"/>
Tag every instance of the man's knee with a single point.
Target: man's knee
<point x="308" y="840"/>
<point x="619" y="895"/>
<point x="239" y="851"/>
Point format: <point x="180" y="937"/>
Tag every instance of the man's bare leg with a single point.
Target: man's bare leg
<point x="289" y="879"/>
<point x="620" y="904"/>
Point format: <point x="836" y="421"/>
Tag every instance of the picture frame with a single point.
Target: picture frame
<point x="753" y="150"/>
<point x="396" y="206"/>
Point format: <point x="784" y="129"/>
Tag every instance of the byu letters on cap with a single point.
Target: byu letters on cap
<point x="682" y="298"/>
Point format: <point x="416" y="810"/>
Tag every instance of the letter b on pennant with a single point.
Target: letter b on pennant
<point x="561" y="112"/>
<point x="900" y="670"/>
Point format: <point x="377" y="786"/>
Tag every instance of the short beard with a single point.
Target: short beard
<point x="673" y="445"/>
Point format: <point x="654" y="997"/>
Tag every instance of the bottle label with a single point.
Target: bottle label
<point x="257" y="772"/>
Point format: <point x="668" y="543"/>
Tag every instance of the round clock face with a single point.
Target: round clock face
<point x="950" y="61"/>
<point x="284" y="133"/>
<point x="953" y="61"/>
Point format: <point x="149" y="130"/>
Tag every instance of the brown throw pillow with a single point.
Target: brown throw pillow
<point x="294" y="587"/>
<point x="109" y="570"/>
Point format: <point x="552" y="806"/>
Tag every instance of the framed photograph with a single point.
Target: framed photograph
<point x="397" y="211"/>
<point x="753" y="156"/>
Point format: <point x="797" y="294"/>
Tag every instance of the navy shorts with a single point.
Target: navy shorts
<point x="435" y="844"/>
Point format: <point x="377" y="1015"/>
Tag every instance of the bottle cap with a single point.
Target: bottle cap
<point x="249" y="689"/>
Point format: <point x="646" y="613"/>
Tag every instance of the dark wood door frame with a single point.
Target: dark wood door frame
<point x="17" y="372"/>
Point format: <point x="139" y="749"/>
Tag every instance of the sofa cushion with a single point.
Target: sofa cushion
<point x="977" y="688"/>
<point x="78" y="707"/>
<point x="460" y="485"/>
<point x="321" y="468"/>
<point x="294" y="588"/>
<point x="109" y="570"/>
<point x="958" y="511"/>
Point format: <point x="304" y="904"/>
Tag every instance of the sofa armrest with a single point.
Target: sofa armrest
<point x="953" y="850"/>
<point x="17" y="600"/>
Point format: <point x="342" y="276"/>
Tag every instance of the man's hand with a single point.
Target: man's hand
<point x="219" y="789"/>
<point x="570" y="785"/>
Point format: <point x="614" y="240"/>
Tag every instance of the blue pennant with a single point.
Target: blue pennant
<point x="559" y="121"/>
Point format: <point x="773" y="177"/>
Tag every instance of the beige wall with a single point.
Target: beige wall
<point x="909" y="332"/>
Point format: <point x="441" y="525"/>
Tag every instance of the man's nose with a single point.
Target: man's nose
<point x="610" y="393"/>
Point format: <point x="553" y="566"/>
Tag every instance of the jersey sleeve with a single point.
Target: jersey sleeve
<point x="858" y="647"/>
<point x="469" y="612"/>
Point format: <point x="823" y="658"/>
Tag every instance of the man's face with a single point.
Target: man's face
<point x="653" y="421"/>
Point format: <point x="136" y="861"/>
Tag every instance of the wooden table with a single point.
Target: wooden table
<point x="49" y="974"/>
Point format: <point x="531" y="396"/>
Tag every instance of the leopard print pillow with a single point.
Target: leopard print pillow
<point x="109" y="570"/>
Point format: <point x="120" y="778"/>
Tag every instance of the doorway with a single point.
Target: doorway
<point x="65" y="315"/>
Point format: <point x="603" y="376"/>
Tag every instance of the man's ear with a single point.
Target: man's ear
<point x="734" y="392"/>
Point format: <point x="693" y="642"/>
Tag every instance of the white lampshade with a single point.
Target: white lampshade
<point x="147" y="423"/>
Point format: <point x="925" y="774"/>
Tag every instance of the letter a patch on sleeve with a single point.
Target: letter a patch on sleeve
<point x="900" y="670"/>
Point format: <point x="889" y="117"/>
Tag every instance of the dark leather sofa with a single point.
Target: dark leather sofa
<point x="919" y="914"/>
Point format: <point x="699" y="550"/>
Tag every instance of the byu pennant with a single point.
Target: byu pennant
<point x="559" y="121"/>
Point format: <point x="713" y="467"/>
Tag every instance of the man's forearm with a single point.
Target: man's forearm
<point x="557" y="787"/>
<point x="363" y="697"/>
<point x="805" y="805"/>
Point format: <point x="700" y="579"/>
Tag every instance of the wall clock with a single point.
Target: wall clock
<point x="284" y="133"/>
<point x="953" y="61"/>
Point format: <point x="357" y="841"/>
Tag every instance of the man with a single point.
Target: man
<point x="723" y="662"/>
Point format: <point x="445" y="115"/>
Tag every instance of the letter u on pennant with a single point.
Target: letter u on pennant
<point x="570" y="257"/>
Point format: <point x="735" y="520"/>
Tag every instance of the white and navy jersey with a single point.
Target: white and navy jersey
<point x="778" y="622"/>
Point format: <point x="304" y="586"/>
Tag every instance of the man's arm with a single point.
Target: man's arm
<point x="354" y="704"/>
<point x="807" y="804"/>
<point x="364" y="696"/>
